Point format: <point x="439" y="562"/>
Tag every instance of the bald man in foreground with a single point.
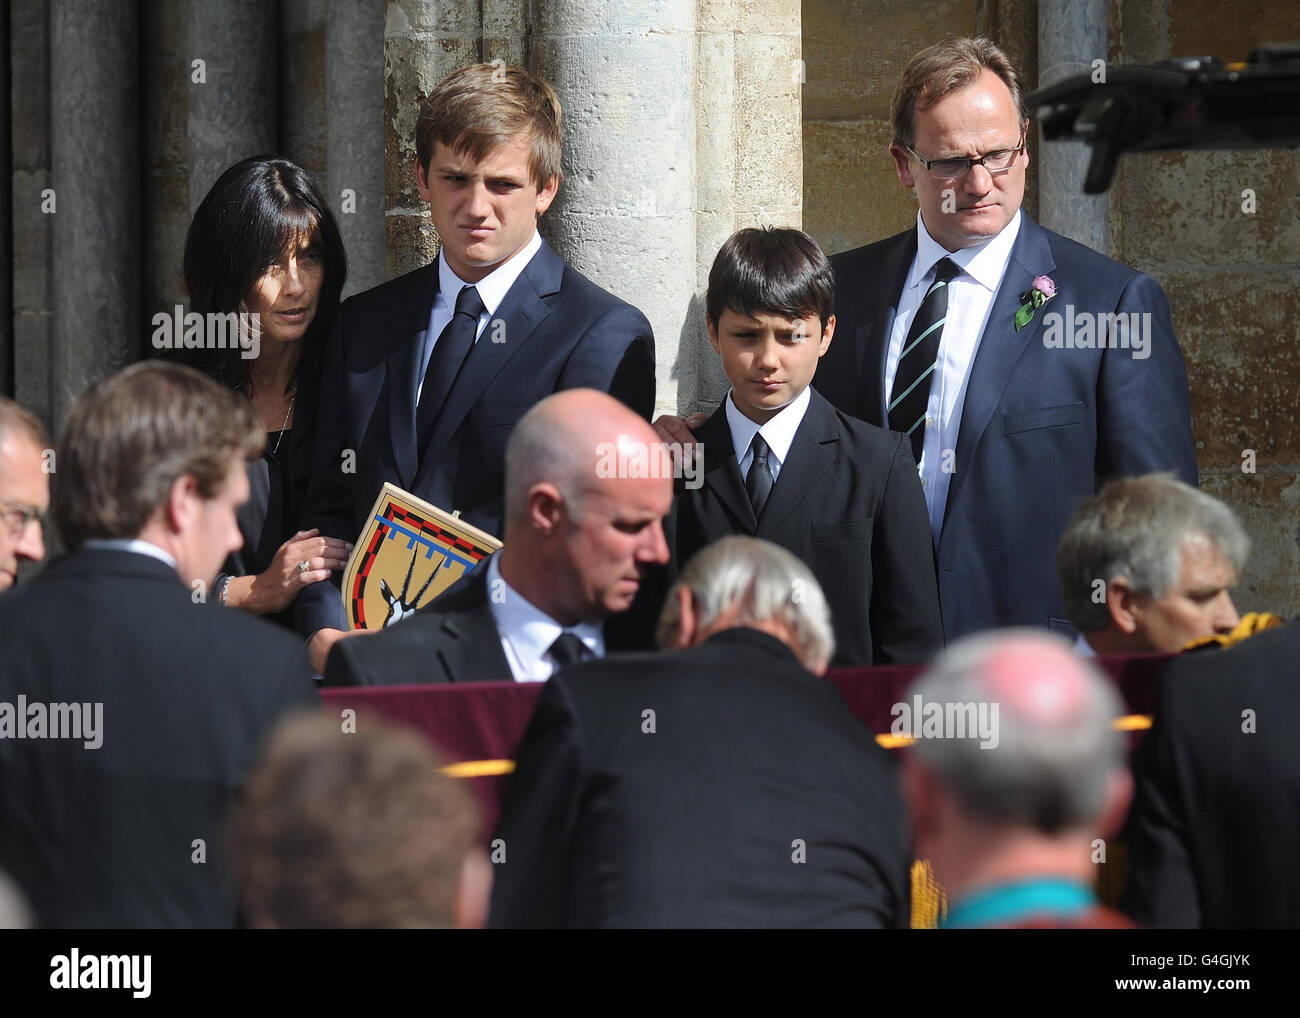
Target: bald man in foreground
<point x="587" y="485"/>
<point x="1006" y="805"/>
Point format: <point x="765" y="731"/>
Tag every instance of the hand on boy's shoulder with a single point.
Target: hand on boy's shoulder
<point x="678" y="430"/>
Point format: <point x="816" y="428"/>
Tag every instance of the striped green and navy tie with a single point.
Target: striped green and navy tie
<point x="911" y="394"/>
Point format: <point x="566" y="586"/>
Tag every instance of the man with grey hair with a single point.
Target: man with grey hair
<point x="723" y="784"/>
<point x="587" y="486"/>
<point x="1147" y="564"/>
<point x="24" y="489"/>
<point x="1009" y="823"/>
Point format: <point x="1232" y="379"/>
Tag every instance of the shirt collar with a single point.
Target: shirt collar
<point x="133" y="544"/>
<point x="778" y="433"/>
<point x="493" y="287"/>
<point x="1082" y="648"/>
<point x="528" y="629"/>
<point x="984" y="264"/>
<point x="1003" y="904"/>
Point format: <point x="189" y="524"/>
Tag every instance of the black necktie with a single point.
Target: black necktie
<point x="758" y="482"/>
<point x="567" y="649"/>
<point x="454" y="344"/>
<point x="911" y="394"/>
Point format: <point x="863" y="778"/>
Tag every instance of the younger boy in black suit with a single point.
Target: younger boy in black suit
<point x="782" y="464"/>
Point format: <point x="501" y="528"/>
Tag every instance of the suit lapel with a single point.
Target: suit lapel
<point x="1001" y="346"/>
<point x="406" y="323"/>
<point x="505" y="334"/>
<point x="811" y="456"/>
<point x="473" y="639"/>
<point x="880" y="301"/>
<point x="722" y="472"/>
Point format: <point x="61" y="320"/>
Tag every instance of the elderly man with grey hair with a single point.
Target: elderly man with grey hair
<point x="1147" y="564"/>
<point x="1008" y="814"/>
<point x="722" y="784"/>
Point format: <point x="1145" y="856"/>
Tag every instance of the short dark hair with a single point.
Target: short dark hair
<point x="132" y="435"/>
<point x="775" y="271"/>
<point x="356" y="831"/>
<point x="479" y="108"/>
<point x="253" y="213"/>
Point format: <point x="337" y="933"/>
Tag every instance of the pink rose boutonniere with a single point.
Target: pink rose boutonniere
<point x="1042" y="290"/>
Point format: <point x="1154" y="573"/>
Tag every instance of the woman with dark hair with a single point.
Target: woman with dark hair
<point x="264" y="244"/>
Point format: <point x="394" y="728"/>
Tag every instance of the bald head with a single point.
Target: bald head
<point x="1040" y="682"/>
<point x="565" y="440"/>
<point x="1055" y="744"/>
<point x="588" y="483"/>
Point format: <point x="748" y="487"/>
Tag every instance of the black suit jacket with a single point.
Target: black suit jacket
<point x="1215" y="824"/>
<point x="849" y="504"/>
<point x="1040" y="425"/>
<point x="107" y="837"/>
<point x="757" y="800"/>
<point x="554" y="330"/>
<point x="452" y="639"/>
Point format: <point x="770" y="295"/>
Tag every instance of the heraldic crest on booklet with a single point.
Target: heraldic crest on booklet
<point x="408" y="553"/>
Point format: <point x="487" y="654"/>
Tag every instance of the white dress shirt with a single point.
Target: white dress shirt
<point x="778" y="433"/>
<point x="970" y="297"/>
<point x="492" y="290"/>
<point x="1082" y="648"/>
<point x="133" y="544"/>
<point x="527" y="632"/>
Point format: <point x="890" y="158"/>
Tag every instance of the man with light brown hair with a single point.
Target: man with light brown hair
<point x="24" y="489"/>
<point x="138" y="700"/>
<point x="357" y="830"/>
<point x="432" y="370"/>
<point x="1025" y="368"/>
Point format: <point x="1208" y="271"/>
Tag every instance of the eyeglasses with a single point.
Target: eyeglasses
<point x="16" y="517"/>
<point x="996" y="162"/>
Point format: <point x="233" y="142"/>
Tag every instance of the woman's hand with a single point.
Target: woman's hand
<point x="274" y="589"/>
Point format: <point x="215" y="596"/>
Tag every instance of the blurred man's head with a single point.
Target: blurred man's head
<point x="158" y="452"/>
<point x="588" y="483"/>
<point x="24" y="489"/>
<point x="957" y="101"/>
<point x="1028" y="802"/>
<point x="743" y="581"/>
<point x="1148" y="564"/>
<point x="357" y="831"/>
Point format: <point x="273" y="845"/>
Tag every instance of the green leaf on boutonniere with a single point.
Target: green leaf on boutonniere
<point x="1024" y="315"/>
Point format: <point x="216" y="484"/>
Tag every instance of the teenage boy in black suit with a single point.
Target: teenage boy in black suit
<point x="782" y="464"/>
<point x="426" y="374"/>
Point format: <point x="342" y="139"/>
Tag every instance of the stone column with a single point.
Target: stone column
<point x="6" y="218"/>
<point x="32" y="229"/>
<point x="354" y="136"/>
<point x="232" y="94"/>
<point x="749" y="161"/>
<point x="1071" y="35"/>
<point x="96" y="181"/>
<point x="625" y="215"/>
<point x="424" y="41"/>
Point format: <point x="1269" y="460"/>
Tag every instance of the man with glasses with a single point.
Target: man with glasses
<point x="24" y="489"/>
<point x="1025" y="368"/>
